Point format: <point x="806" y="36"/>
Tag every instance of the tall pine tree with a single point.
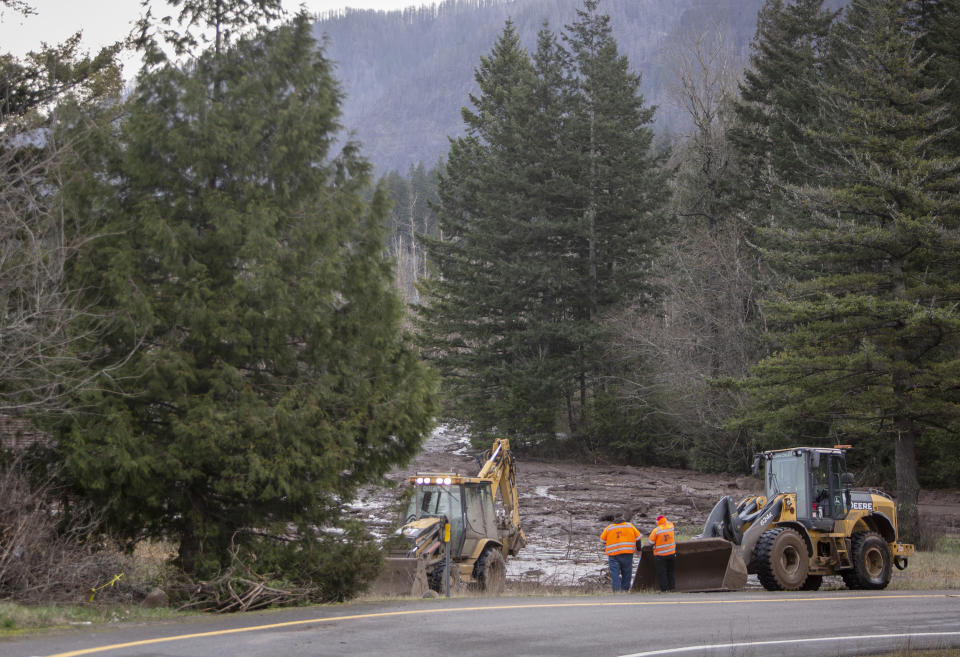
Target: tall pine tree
<point x="937" y="23"/>
<point x="618" y="190"/>
<point x="272" y="377"/>
<point x="548" y="216"/>
<point x="473" y="321"/>
<point x="777" y="92"/>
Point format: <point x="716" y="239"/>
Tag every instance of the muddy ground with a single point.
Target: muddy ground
<point x="564" y="506"/>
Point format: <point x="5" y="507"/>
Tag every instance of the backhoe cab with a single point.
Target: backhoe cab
<point x="808" y="524"/>
<point x="480" y="538"/>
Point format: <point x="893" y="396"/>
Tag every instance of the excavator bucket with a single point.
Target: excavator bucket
<point x="401" y="576"/>
<point x="703" y="564"/>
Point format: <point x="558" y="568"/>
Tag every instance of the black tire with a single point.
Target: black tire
<point x="781" y="559"/>
<point x="435" y="579"/>
<point x="871" y="562"/>
<point x="812" y="583"/>
<point x="491" y="571"/>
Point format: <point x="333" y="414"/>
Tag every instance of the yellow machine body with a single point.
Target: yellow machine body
<point x="475" y="518"/>
<point x="810" y="523"/>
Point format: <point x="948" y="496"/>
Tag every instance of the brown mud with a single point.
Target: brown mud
<point x="564" y="506"/>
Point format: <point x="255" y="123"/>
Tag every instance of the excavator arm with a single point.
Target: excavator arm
<point x="499" y="468"/>
<point x="413" y="570"/>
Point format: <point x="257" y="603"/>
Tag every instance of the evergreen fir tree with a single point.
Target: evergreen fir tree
<point x="474" y="319"/>
<point x="777" y="92"/>
<point x="272" y="377"/>
<point x="937" y="24"/>
<point x="619" y="187"/>
<point x="199" y="23"/>
<point x="869" y="333"/>
<point x="548" y="216"/>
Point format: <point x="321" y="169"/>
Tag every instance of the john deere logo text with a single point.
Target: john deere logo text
<point x="864" y="506"/>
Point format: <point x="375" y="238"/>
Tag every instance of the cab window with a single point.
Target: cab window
<point x="787" y="473"/>
<point x="481" y="518"/>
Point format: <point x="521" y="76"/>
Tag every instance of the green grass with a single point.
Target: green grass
<point x="949" y="544"/>
<point x="931" y="570"/>
<point x="16" y="618"/>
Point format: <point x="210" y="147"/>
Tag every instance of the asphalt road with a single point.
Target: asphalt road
<point x="636" y="625"/>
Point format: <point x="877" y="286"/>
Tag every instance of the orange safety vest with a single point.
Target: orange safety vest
<point x="662" y="538"/>
<point x="620" y="539"/>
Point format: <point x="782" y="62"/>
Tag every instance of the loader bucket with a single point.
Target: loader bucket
<point x="703" y="564"/>
<point x="401" y="576"/>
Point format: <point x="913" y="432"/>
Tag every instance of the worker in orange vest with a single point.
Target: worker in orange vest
<point x="620" y="542"/>
<point x="664" y="553"/>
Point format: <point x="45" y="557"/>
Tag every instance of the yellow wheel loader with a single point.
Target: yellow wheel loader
<point x="480" y="533"/>
<point x="808" y="524"/>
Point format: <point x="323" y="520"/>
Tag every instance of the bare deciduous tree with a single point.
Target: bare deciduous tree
<point x="708" y="275"/>
<point x="47" y="337"/>
<point x="705" y="81"/>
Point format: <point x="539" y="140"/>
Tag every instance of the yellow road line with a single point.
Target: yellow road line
<point x="410" y="612"/>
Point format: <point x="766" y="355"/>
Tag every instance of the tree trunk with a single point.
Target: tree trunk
<point x="908" y="486"/>
<point x="189" y="550"/>
<point x="412" y="217"/>
<point x="905" y="456"/>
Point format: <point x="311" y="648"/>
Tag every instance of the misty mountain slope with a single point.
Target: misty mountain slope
<point x="407" y="74"/>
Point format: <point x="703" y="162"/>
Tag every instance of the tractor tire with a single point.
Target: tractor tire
<point x="871" y="562"/>
<point x="781" y="559"/>
<point x="491" y="571"/>
<point x="812" y="583"/>
<point x="435" y="578"/>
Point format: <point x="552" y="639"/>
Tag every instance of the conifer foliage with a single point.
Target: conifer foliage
<point x="549" y="212"/>
<point x="272" y="376"/>
<point x="869" y="331"/>
<point x="776" y="93"/>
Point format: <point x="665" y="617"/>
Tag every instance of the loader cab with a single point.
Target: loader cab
<point x="817" y="476"/>
<point x="467" y="505"/>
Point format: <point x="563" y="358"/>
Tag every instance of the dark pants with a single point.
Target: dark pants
<point x="621" y="570"/>
<point x="665" y="567"/>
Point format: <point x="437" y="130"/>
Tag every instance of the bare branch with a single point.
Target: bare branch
<point x="48" y="334"/>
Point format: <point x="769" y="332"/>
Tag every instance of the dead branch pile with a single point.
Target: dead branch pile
<point x="238" y="588"/>
<point x="49" y="553"/>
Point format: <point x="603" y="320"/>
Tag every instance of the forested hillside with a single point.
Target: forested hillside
<point x="407" y="74"/>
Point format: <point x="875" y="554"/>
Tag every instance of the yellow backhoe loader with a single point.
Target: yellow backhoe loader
<point x="481" y="533"/>
<point x="808" y="524"/>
